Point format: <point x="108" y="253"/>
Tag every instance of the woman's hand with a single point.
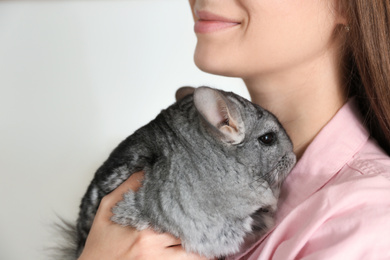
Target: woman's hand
<point x="110" y="241"/>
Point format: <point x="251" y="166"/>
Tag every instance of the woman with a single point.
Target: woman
<point x="323" y="68"/>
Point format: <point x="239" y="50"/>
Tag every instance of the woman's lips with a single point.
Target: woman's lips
<point x="208" y="22"/>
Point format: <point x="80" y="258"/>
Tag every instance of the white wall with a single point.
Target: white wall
<point x="76" y="77"/>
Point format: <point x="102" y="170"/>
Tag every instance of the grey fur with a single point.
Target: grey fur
<point x="209" y="179"/>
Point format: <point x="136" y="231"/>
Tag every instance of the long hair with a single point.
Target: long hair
<point x="368" y="63"/>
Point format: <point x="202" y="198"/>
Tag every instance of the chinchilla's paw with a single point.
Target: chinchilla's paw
<point x="126" y="212"/>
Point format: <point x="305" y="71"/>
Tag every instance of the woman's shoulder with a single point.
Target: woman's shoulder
<point x="355" y="210"/>
<point x="348" y="217"/>
<point x="364" y="180"/>
<point x="371" y="160"/>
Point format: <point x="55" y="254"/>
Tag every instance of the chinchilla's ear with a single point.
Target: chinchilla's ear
<point x="183" y="92"/>
<point x="220" y="114"/>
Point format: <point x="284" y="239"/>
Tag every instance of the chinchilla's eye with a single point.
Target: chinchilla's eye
<point x="268" y="138"/>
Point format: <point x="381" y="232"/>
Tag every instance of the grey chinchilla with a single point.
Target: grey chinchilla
<point x="213" y="164"/>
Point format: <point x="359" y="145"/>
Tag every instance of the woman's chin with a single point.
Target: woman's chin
<point x="216" y="67"/>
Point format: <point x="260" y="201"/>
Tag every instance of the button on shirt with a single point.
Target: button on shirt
<point x="335" y="203"/>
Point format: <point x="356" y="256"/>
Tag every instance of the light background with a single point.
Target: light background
<point x="77" y="77"/>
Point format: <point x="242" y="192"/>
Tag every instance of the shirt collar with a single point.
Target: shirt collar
<point x="331" y="149"/>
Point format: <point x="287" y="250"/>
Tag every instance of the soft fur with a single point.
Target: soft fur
<point x="213" y="166"/>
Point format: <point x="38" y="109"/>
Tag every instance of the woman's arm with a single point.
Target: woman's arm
<point x="108" y="240"/>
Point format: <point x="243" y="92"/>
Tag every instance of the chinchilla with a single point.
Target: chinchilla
<point x="213" y="163"/>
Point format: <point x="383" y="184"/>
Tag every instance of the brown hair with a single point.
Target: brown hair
<point x="368" y="63"/>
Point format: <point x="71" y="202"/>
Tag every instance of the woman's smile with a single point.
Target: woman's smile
<point x="207" y="22"/>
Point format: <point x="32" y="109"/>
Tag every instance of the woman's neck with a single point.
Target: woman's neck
<point x="304" y="98"/>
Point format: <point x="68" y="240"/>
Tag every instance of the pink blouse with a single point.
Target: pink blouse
<point x="335" y="204"/>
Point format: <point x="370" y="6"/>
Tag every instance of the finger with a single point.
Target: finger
<point x="184" y="91"/>
<point x="161" y="240"/>
<point x="134" y="182"/>
<point x="181" y="253"/>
